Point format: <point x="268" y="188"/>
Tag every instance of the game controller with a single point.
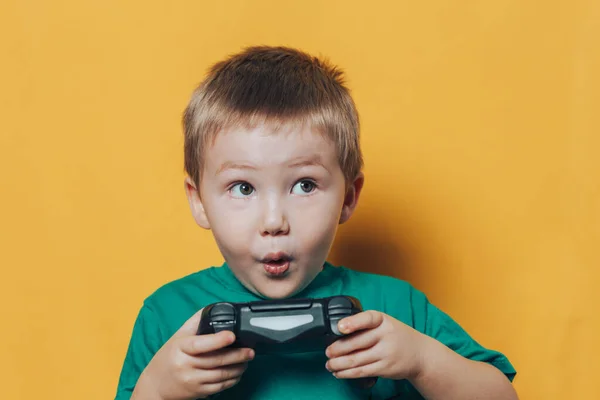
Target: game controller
<point x="290" y="325"/>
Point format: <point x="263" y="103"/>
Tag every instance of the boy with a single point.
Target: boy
<point x="274" y="163"/>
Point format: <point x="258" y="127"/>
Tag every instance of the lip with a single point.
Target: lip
<point x="276" y="264"/>
<point x="277" y="270"/>
<point x="280" y="255"/>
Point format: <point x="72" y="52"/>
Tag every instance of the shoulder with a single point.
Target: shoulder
<point x="402" y="301"/>
<point x="388" y="294"/>
<point x="180" y="290"/>
<point x="389" y="285"/>
<point x="174" y="302"/>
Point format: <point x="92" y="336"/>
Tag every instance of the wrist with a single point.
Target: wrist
<point x="144" y="389"/>
<point x="426" y="349"/>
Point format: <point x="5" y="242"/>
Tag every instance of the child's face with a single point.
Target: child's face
<point x="273" y="202"/>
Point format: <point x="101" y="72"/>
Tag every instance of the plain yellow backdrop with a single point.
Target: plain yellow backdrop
<point x="481" y="139"/>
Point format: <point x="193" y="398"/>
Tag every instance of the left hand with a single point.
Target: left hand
<point x="380" y="346"/>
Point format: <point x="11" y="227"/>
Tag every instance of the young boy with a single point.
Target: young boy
<point x="274" y="163"/>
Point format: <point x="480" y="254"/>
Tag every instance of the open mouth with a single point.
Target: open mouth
<point x="276" y="264"/>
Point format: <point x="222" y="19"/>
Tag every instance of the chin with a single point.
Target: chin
<point x="278" y="290"/>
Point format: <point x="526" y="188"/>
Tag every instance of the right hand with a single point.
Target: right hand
<point x="191" y="366"/>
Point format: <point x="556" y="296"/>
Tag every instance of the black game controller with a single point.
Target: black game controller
<point x="272" y="326"/>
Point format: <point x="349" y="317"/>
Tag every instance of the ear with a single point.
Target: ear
<point x="351" y="198"/>
<point x="196" y="206"/>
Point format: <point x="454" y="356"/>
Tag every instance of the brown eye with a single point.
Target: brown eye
<point x="242" y="189"/>
<point x="307" y="186"/>
<point x="245" y="189"/>
<point x="304" y="187"/>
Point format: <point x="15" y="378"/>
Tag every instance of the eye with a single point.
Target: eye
<point x="242" y="189"/>
<point x="305" y="186"/>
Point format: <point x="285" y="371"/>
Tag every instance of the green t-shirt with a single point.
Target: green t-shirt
<point x="295" y="376"/>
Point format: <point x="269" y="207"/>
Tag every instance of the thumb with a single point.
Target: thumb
<point x="190" y="327"/>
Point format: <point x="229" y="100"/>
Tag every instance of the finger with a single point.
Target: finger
<point x="349" y="344"/>
<point x="221" y="358"/>
<point x="190" y="327"/>
<point x="212" y="388"/>
<point x="363" y="320"/>
<point x="353" y="360"/>
<point x="200" y="344"/>
<point x="369" y="370"/>
<point x="223" y="374"/>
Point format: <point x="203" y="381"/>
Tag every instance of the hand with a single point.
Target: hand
<point x="191" y="366"/>
<point x="379" y="345"/>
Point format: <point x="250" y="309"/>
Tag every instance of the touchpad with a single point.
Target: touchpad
<point x="281" y="323"/>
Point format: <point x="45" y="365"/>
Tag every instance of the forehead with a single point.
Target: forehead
<point x="265" y="145"/>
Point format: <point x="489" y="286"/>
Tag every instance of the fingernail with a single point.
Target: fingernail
<point x="343" y="327"/>
<point x="335" y="374"/>
<point x="327" y="366"/>
<point x="251" y="354"/>
<point x="230" y="336"/>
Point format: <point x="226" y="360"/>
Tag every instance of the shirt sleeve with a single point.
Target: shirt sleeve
<point x="440" y="326"/>
<point x="144" y="343"/>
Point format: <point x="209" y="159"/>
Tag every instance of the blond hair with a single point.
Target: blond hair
<point x="276" y="86"/>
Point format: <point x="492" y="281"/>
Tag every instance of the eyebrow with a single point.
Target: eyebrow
<point x="233" y="165"/>
<point x="316" y="161"/>
<point x="300" y="163"/>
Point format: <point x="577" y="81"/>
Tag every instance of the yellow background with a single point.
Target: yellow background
<point x="481" y="138"/>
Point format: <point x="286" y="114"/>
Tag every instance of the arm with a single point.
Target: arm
<point x="383" y="346"/>
<point x="447" y="375"/>
<point x="187" y="366"/>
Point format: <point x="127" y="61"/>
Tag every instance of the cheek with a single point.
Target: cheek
<point x="231" y="224"/>
<point x="318" y="223"/>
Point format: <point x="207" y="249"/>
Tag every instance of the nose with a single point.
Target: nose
<point x="274" y="220"/>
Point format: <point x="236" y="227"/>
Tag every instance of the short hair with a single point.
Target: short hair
<point x="275" y="86"/>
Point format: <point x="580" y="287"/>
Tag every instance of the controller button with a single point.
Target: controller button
<point x="222" y="318"/>
<point x="222" y="309"/>
<point x="339" y="302"/>
<point x="333" y="324"/>
<point x="340" y="311"/>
